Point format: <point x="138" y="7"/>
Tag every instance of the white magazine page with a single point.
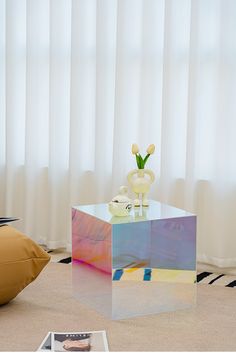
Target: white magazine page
<point x="46" y="345"/>
<point x="92" y="341"/>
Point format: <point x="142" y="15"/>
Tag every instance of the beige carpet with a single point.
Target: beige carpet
<point x="47" y="305"/>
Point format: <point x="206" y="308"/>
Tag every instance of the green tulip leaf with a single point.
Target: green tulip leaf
<point x="141" y="162"/>
<point x="146" y="158"/>
<point x="137" y="160"/>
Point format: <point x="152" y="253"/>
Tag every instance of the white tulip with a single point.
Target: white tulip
<point x="151" y="149"/>
<point x="135" y="148"/>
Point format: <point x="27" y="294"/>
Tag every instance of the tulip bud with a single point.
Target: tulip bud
<point x="135" y="149"/>
<point x="151" y="149"/>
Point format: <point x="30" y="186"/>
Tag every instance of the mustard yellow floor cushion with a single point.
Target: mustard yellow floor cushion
<point x="21" y="261"/>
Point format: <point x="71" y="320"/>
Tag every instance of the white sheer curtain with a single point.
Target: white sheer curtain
<point x="81" y="80"/>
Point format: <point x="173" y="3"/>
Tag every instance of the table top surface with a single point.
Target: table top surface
<point x="155" y="211"/>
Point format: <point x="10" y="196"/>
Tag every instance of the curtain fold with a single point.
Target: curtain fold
<point x="81" y="80"/>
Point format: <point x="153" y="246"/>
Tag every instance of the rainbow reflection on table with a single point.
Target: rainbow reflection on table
<point x="137" y="265"/>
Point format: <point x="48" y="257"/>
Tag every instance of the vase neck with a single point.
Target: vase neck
<point x="141" y="173"/>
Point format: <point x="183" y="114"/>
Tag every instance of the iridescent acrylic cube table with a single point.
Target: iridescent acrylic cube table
<point x="137" y="265"/>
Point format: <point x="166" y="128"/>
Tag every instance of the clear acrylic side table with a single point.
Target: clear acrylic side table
<point x="137" y="265"/>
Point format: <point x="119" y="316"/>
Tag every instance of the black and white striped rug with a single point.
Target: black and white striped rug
<point x="209" y="278"/>
<point x="216" y="279"/>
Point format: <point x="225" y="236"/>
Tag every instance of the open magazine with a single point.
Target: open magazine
<point x="95" y="341"/>
<point x="7" y="219"/>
